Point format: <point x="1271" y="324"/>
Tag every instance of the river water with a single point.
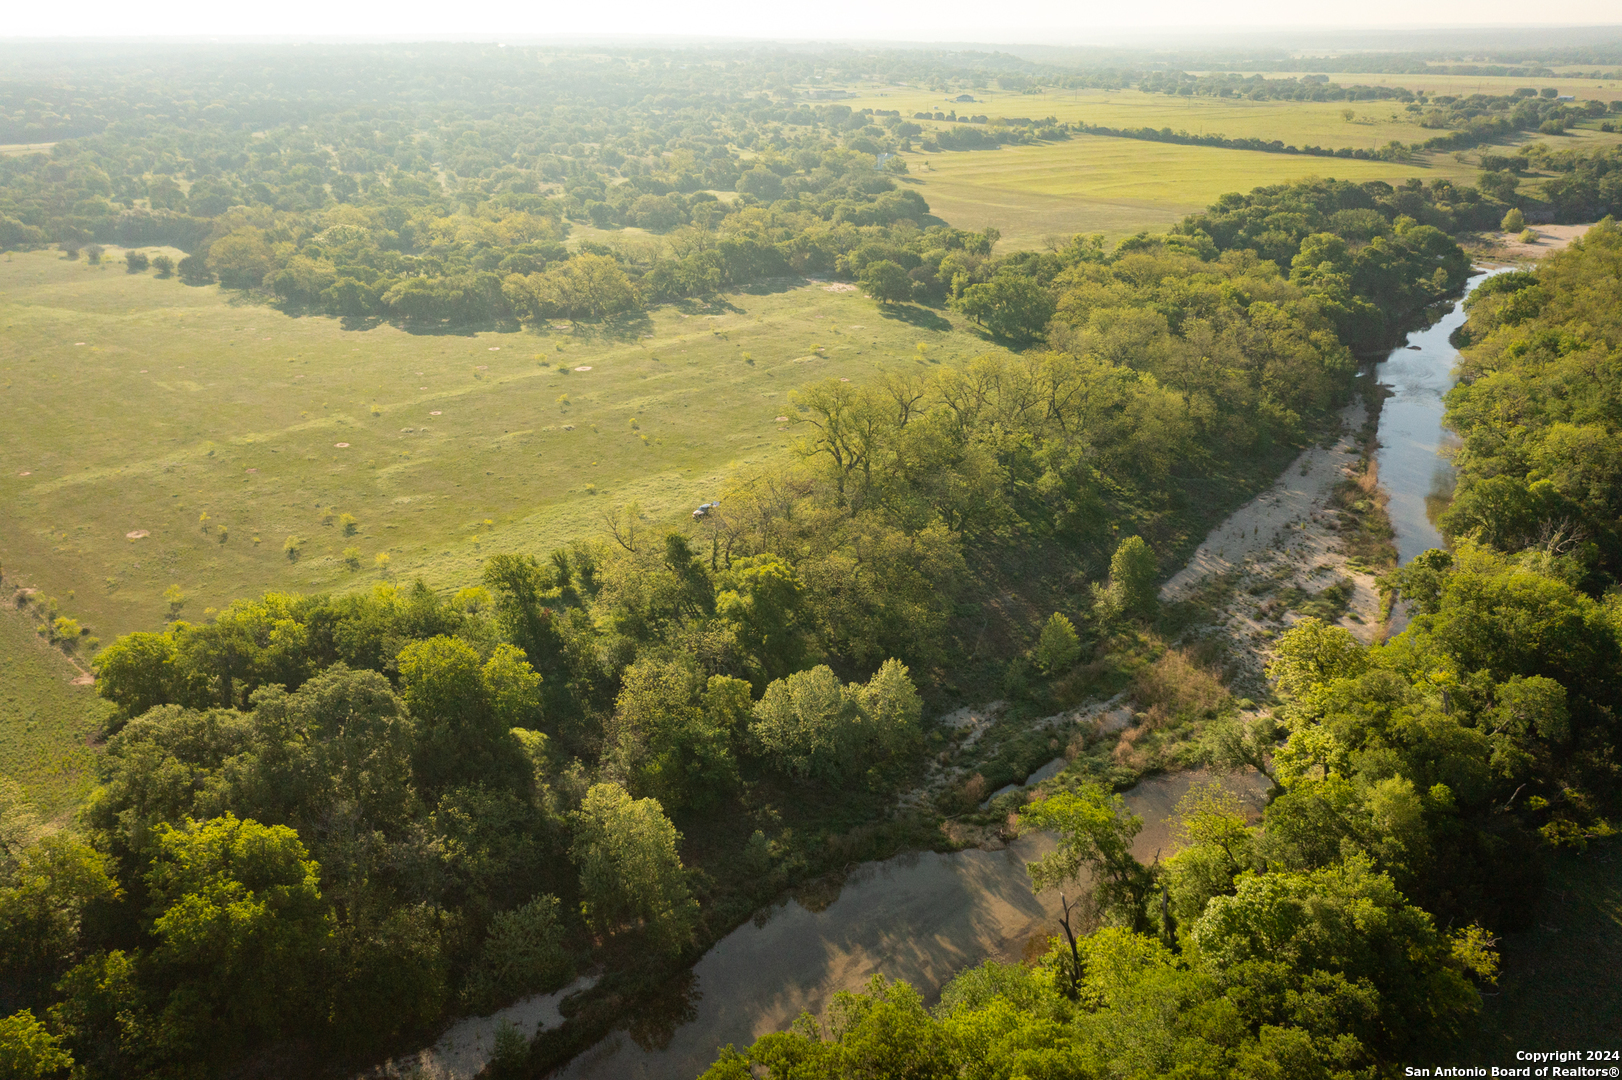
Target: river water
<point x="1414" y="447"/>
<point x="921" y="917"/>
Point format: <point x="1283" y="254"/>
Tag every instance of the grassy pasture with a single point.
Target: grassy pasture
<point x="1117" y="186"/>
<point x="134" y="404"/>
<point x="45" y="718"/>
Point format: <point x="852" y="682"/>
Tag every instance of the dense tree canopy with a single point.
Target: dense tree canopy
<point x="1539" y="407"/>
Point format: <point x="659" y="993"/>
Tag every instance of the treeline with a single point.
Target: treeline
<point x="1587" y="184"/>
<point x="1353" y="928"/>
<point x="1539" y="409"/>
<point x="1469" y="121"/>
<point x="353" y="198"/>
<point x="324" y="823"/>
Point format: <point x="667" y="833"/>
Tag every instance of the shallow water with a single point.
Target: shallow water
<point x="921" y="917"/>
<point x="1414" y="453"/>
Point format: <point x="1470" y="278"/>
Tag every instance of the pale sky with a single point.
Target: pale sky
<point x="1055" y="22"/>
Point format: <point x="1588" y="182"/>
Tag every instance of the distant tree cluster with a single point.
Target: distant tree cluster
<point x="338" y="198"/>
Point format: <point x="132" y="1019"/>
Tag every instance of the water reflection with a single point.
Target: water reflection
<point x="1415" y="451"/>
<point x="922" y="917"/>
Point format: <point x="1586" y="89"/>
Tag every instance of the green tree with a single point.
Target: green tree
<point x="526" y="592"/>
<point x="883" y="1032"/>
<point x="886" y="282"/>
<point x="807" y="724"/>
<point x="1058" y="647"/>
<point x="1215" y="847"/>
<point x="892" y="709"/>
<point x="1349" y="935"/>
<point x="241" y="930"/>
<point x="1095" y="832"/>
<point x="46" y="883"/>
<point x="1311" y="653"/>
<point x="1133" y="570"/>
<point x="812" y="726"/>
<point x="138" y="672"/>
<point x="763" y="596"/>
<point x="630" y="871"/>
<point x="1498" y="184"/>
<point x="339" y="746"/>
<point x="1010" y="305"/>
<point x="670" y="744"/>
<point x="585" y="287"/>
<point x="523" y="953"/>
<point x="241" y="258"/>
<point x="1514" y="221"/>
<point x="464" y="712"/>
<point x="762" y="183"/>
<point x="28" y="1050"/>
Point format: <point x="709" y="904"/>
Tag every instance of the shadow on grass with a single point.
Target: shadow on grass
<point x="913" y="315"/>
<point x="713" y="305"/>
<point x="772" y="286"/>
<point x="627" y="326"/>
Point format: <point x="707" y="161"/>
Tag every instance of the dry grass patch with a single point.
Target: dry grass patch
<point x="1178" y="685"/>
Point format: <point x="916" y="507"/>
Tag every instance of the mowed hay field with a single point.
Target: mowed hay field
<point x="1097" y="184"/>
<point x="134" y="405"/>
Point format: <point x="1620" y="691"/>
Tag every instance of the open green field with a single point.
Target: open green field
<point x="46" y="718"/>
<point x="1299" y="123"/>
<point x="1117" y="187"/>
<point x="135" y="405"/>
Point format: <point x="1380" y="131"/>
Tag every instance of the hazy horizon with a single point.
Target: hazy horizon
<point x="1383" y="23"/>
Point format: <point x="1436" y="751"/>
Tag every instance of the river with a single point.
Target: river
<point x="921" y="917"/>
<point x="925" y="916"/>
<point x="1414" y="453"/>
